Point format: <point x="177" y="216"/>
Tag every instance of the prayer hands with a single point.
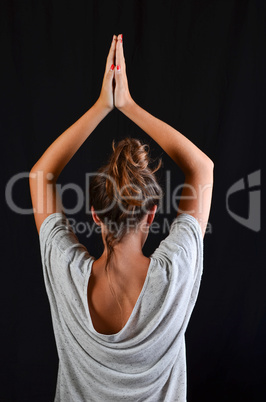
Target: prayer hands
<point x="115" y="91"/>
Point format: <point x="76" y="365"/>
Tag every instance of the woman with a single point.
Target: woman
<point x="120" y="320"/>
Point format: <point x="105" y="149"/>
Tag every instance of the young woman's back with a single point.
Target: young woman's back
<point x="128" y="277"/>
<point x="120" y="321"/>
<point x="143" y="360"/>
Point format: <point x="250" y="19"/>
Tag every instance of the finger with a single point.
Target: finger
<point x="109" y="75"/>
<point x="119" y="55"/>
<point x="111" y="55"/>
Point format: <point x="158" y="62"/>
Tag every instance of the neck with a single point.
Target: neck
<point x="126" y="252"/>
<point x="127" y="247"/>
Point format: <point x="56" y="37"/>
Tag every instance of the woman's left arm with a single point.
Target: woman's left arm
<point x="45" y="172"/>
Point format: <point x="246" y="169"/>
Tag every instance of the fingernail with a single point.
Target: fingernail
<point x="112" y="66"/>
<point x="118" y="68"/>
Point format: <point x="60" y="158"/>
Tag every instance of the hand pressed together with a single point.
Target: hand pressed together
<point x="115" y="91"/>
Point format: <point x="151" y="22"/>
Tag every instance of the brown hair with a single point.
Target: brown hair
<point x="125" y="188"/>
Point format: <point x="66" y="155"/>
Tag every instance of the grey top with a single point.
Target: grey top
<point x="146" y="360"/>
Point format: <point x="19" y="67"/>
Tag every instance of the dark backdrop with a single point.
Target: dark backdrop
<point x="196" y="64"/>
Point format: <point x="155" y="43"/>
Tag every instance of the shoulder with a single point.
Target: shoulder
<point x="53" y="224"/>
<point x="185" y="221"/>
<point x="57" y="236"/>
<point x="184" y="242"/>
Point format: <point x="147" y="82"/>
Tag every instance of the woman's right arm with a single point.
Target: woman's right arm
<point x="197" y="167"/>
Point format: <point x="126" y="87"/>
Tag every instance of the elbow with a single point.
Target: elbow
<point x="210" y="171"/>
<point x="32" y="178"/>
<point x="32" y="171"/>
<point x="211" y="167"/>
<point x="203" y="167"/>
<point x="34" y="175"/>
<point x="34" y="168"/>
<point x="208" y="162"/>
<point x="208" y="165"/>
<point x="205" y="170"/>
<point x="212" y="163"/>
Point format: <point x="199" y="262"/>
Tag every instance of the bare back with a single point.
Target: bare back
<point x="127" y="284"/>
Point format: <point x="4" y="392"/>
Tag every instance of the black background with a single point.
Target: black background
<point x="196" y="64"/>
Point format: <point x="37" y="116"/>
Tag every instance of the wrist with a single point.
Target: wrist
<point x="102" y="108"/>
<point x="128" y="107"/>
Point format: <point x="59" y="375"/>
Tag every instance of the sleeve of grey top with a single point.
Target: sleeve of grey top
<point x="181" y="254"/>
<point x="64" y="259"/>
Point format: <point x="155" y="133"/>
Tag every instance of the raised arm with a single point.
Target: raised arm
<point x="197" y="166"/>
<point x="45" y="172"/>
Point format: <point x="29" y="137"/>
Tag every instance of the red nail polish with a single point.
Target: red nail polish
<point x="118" y="68"/>
<point x="112" y="66"/>
<point x="121" y="36"/>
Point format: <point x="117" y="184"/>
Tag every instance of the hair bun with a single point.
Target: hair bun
<point x="128" y="167"/>
<point x="129" y="153"/>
